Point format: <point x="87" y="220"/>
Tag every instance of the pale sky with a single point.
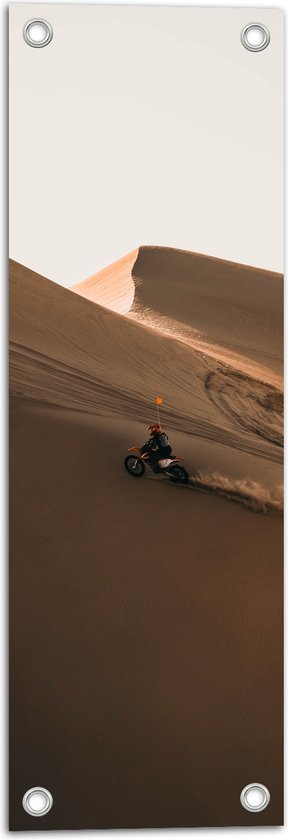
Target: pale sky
<point x="144" y="126"/>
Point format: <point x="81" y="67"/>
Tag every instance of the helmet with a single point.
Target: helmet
<point x="154" y="428"/>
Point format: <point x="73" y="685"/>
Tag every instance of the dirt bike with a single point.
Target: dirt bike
<point x="135" y="465"/>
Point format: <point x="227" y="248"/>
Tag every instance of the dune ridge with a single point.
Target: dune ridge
<point x="117" y="372"/>
<point x="235" y="306"/>
<point x="113" y="286"/>
<point x="245" y="305"/>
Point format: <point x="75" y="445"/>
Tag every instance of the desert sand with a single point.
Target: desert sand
<point x="112" y="287"/>
<point x="146" y="618"/>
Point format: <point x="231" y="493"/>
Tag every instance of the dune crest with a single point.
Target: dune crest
<point x="233" y="313"/>
<point x="113" y="286"/>
<point x="236" y="310"/>
<point x="67" y="352"/>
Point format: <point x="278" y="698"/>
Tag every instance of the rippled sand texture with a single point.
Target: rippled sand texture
<point x="146" y="618"/>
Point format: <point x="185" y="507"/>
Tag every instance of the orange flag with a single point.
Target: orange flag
<point x="159" y="401"/>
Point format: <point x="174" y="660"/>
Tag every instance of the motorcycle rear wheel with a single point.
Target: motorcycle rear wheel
<point x="178" y="474"/>
<point x="134" y="466"/>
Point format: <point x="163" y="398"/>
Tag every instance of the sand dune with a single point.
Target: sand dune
<point x="227" y="311"/>
<point x="114" y="366"/>
<point x="234" y="306"/>
<point x="158" y="607"/>
<point x="112" y="287"/>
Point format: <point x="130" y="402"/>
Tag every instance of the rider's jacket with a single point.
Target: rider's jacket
<point x="158" y="440"/>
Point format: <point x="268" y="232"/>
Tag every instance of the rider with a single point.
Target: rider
<point x="157" y="445"/>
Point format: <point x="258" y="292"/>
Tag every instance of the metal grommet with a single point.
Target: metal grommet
<point x="37" y="32"/>
<point x="255" y="797"/>
<point x="37" y="801"/>
<point x="255" y="37"/>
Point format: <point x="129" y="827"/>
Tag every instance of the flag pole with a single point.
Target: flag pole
<point x="158" y="401"/>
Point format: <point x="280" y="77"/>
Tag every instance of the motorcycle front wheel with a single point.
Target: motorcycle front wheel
<point x="134" y="466"/>
<point x="178" y="474"/>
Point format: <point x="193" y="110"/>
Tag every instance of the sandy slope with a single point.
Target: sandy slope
<point x="236" y="306"/>
<point x="229" y="312"/>
<point x="68" y="352"/>
<point x="113" y="286"/>
<point x="158" y="608"/>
